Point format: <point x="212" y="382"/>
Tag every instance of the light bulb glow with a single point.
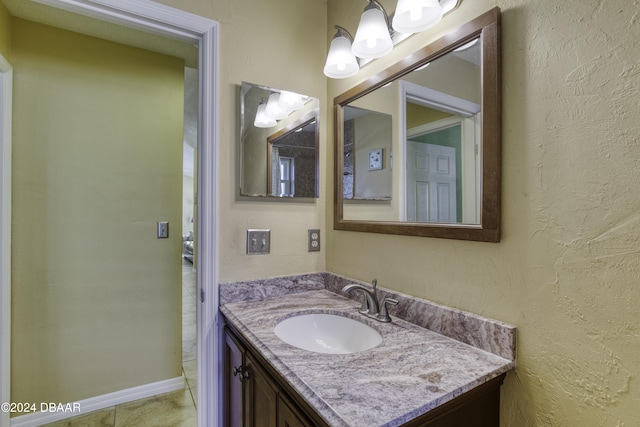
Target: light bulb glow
<point x="291" y="101"/>
<point x="413" y="16"/>
<point x="415" y="13"/>
<point x="273" y="109"/>
<point x="262" y="120"/>
<point x="341" y="63"/>
<point x="372" y="38"/>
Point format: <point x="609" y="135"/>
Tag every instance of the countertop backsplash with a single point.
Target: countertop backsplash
<point x="486" y="334"/>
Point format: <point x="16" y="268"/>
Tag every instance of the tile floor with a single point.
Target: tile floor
<point x="176" y="409"/>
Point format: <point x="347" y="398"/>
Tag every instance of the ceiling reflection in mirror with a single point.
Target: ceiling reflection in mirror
<point x="278" y="154"/>
<point x="435" y="144"/>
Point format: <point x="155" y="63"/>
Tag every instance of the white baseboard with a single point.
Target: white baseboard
<point x="100" y="402"/>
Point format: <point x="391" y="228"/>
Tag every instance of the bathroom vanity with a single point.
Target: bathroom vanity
<point x="435" y="366"/>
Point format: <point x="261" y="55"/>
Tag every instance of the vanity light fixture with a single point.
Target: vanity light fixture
<point x="376" y="38"/>
<point x="373" y="38"/>
<point x="341" y="62"/>
<point x="413" y="16"/>
<point x="262" y="120"/>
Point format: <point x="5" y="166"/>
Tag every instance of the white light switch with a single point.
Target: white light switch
<point x="163" y="229"/>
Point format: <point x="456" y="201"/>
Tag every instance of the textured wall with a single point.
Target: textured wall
<point x="566" y="271"/>
<point x="97" y="138"/>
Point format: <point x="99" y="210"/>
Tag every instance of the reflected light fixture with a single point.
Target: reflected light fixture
<point x="373" y="38"/>
<point x="341" y="62"/>
<point x="466" y="45"/>
<point x="413" y="16"/>
<point x="290" y="101"/>
<point x="262" y="120"/>
<point x="273" y="108"/>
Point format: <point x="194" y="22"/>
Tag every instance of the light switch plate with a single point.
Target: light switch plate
<point x="375" y="159"/>
<point x="163" y="230"/>
<point x="258" y="241"/>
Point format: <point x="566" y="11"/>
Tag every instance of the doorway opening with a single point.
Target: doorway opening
<point x="178" y="25"/>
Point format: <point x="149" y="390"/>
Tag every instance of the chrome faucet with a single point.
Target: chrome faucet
<point x="370" y="307"/>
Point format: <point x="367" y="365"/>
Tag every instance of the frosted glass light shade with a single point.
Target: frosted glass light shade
<point x="273" y="109"/>
<point x="341" y="63"/>
<point x="262" y="120"/>
<point x="290" y="101"/>
<point x="372" y="37"/>
<point x="413" y="16"/>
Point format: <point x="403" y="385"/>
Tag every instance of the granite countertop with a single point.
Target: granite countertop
<point x="411" y="372"/>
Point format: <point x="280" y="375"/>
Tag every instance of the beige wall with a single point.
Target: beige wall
<point x="280" y="44"/>
<point x="5" y="32"/>
<point x="566" y="271"/>
<point x="97" y="134"/>
<point x="372" y="131"/>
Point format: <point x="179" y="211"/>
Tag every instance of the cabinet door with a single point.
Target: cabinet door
<point x="289" y="415"/>
<point x="261" y="396"/>
<point x="233" y="379"/>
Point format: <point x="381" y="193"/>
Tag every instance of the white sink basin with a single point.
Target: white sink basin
<point x="327" y="333"/>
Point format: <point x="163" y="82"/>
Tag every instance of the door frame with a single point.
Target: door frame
<point x="6" y="85"/>
<point x="176" y="24"/>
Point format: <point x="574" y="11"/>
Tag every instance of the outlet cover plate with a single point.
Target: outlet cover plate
<point x="314" y="240"/>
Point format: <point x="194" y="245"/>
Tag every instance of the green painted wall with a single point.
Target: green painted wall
<point x="97" y="160"/>
<point x="5" y="32"/>
<point x="418" y="115"/>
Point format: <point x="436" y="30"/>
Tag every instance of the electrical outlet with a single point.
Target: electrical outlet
<point x="258" y="242"/>
<point x="314" y="240"/>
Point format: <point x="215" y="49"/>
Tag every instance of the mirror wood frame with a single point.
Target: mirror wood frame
<point x="487" y="27"/>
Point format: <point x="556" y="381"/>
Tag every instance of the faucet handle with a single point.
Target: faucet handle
<point x="383" y="316"/>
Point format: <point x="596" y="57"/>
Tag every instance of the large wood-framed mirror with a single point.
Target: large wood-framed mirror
<point x="418" y="145"/>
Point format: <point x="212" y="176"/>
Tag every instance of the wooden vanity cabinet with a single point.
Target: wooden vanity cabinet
<point x="256" y="395"/>
<point x="252" y="398"/>
<point x="232" y="385"/>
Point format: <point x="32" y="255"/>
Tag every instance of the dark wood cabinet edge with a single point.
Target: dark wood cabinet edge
<point x="292" y="394"/>
<point x="285" y="399"/>
<point x="447" y="408"/>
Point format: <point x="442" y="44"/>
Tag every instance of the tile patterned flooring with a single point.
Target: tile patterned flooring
<point x="176" y="409"/>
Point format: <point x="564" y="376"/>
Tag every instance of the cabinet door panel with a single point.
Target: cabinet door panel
<point x="289" y="415"/>
<point x="232" y="386"/>
<point x="261" y="397"/>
